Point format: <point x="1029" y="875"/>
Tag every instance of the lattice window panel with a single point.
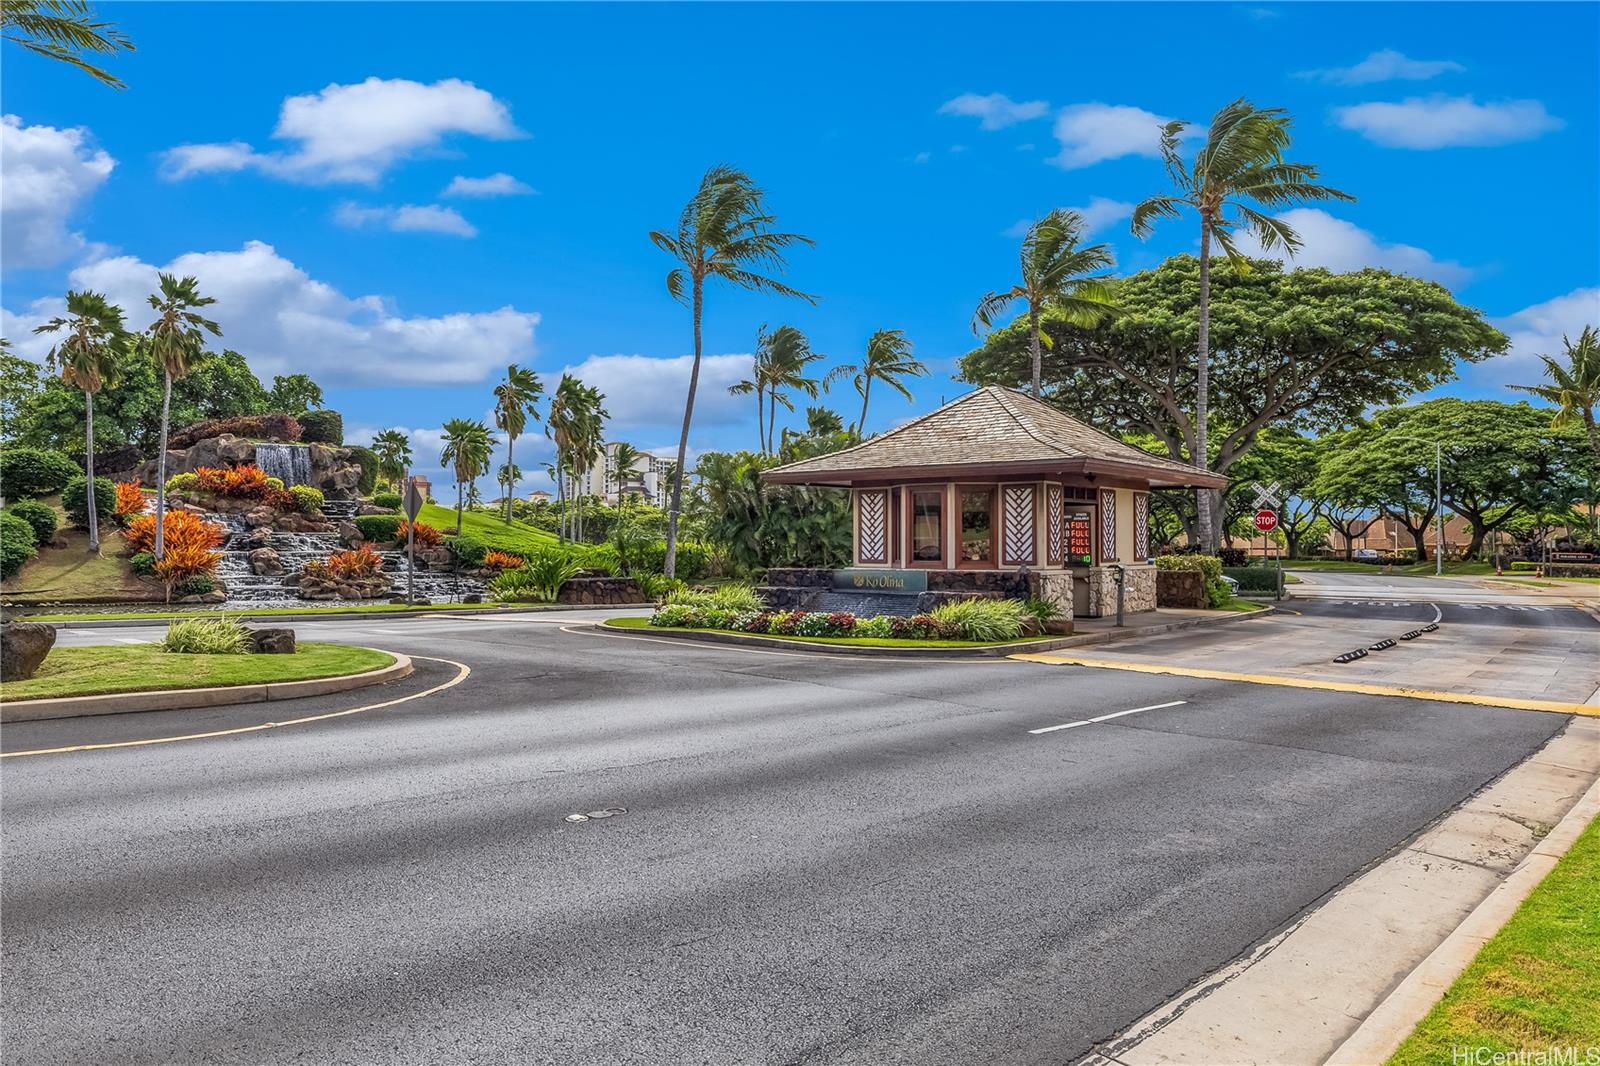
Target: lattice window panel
<point x="1055" y="532"/>
<point x="1141" y="526"/>
<point x="1019" y="525"/>
<point x="874" y="535"/>
<point x="1108" y="525"/>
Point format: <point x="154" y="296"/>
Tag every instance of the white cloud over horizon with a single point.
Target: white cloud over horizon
<point x="1342" y="246"/>
<point x="994" y="111"/>
<point x="481" y="188"/>
<point x="1429" y="122"/>
<point x="647" y="392"/>
<point x="355" y="133"/>
<point x="1093" y="133"/>
<point x="1534" y="331"/>
<point x="405" y="218"/>
<point x="1384" y="65"/>
<point x="47" y="174"/>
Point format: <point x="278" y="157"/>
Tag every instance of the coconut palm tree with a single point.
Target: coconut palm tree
<point x="576" y="422"/>
<point x="624" y="457"/>
<point x="1574" y="387"/>
<point x="1056" y="272"/>
<point x="393" y="449"/>
<point x="888" y="360"/>
<point x="822" y="422"/>
<point x="507" y="478"/>
<point x="790" y="355"/>
<point x="468" y="447"/>
<point x="1241" y="160"/>
<point x="64" y="30"/>
<point x="176" y="340"/>
<point x="724" y="232"/>
<point x="89" y="358"/>
<point x="515" y="401"/>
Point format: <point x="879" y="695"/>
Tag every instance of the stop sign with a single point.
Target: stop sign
<point x="1266" y="521"/>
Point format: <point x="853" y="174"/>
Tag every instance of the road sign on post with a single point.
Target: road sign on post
<point x="412" y="501"/>
<point x="1267" y="495"/>
<point x="1266" y="520"/>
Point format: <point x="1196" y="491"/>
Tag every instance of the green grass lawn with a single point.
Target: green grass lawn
<point x="263" y="612"/>
<point x="1451" y="569"/>
<point x="517" y="537"/>
<point x="865" y="642"/>
<point x="143" y="667"/>
<point x="1239" y="606"/>
<point x="1536" y="983"/>
<point x="65" y="572"/>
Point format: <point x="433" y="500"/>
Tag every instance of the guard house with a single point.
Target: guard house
<point x="995" y="482"/>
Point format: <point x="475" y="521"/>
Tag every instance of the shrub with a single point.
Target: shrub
<point x="540" y="578"/>
<point x="75" y="499"/>
<point x="40" y="517"/>
<point x="1254" y="578"/>
<point x="981" y="619"/>
<point x="693" y="558"/>
<point x="180" y="527"/>
<point x="353" y="564"/>
<point x="367" y="460"/>
<point x="387" y="499"/>
<point x="677" y="615"/>
<point x="726" y="598"/>
<point x="1233" y="556"/>
<point x="1042" y="609"/>
<point x="322" y="427"/>
<point x="258" y="427"/>
<point x="207" y="636"/>
<point x="16" y="543"/>
<point x="143" y="564"/>
<point x="1522" y="566"/>
<point x="880" y="627"/>
<point x="198" y="585"/>
<point x="275" y="483"/>
<point x="245" y="482"/>
<point x="181" y="561"/>
<point x="130" y="501"/>
<point x="307" y="500"/>
<point x="1210" y="566"/>
<point x="379" y="528"/>
<point x="425" y="535"/>
<point x="30" y="472"/>
<point x="818" y="624"/>
<point x="188" y="482"/>
<point x="658" y="586"/>
<point x="468" y="550"/>
<point x="499" y="560"/>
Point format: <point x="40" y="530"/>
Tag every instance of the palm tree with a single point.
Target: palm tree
<point x="823" y="422"/>
<point x="393" y="449"/>
<point x="175" y="340"/>
<point x="1575" y="387"/>
<point x="1054" y="274"/>
<point x="888" y="360"/>
<point x="63" y="30"/>
<point x="514" y="404"/>
<point x="1241" y="159"/>
<point x="507" y="478"/>
<point x="725" y="232"/>
<point x="576" y="422"/>
<point x="468" y="447"/>
<point x="790" y="355"/>
<point x="624" y="457"/>
<point x="89" y="358"/>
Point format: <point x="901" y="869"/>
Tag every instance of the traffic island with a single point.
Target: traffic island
<point x="75" y="682"/>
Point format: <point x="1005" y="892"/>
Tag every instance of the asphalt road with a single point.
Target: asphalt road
<point x="815" y="859"/>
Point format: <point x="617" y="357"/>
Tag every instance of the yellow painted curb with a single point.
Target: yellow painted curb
<point x="1552" y="706"/>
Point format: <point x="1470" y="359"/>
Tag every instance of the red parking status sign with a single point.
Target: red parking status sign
<point x="1266" y="521"/>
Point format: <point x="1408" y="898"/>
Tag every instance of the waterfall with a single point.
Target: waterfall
<point x="289" y="462"/>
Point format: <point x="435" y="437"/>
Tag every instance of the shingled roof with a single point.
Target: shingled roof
<point x="992" y="431"/>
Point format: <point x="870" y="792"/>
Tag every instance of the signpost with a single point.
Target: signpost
<point x="1266" y="520"/>
<point x="412" y="501"/>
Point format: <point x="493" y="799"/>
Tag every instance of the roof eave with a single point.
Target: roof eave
<point x="1154" y="476"/>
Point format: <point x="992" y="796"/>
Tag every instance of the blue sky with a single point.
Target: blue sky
<point x="304" y="162"/>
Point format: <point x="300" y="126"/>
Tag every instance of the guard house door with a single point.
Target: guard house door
<point x="1079" y="524"/>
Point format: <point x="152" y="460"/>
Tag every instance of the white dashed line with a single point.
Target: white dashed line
<point x="1108" y="717"/>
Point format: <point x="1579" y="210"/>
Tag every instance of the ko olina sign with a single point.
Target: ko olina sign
<point x="880" y="580"/>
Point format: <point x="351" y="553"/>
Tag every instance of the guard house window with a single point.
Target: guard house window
<point x="1080" y="535"/>
<point x="927" y="527"/>
<point x="977" y="525"/>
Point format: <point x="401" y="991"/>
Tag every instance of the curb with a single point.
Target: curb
<point x="290" y="619"/>
<point x="752" y="640"/>
<point x="1166" y="627"/>
<point x="1398" y="1015"/>
<point x="191" y="698"/>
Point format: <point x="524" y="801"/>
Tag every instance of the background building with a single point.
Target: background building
<point x="647" y="478"/>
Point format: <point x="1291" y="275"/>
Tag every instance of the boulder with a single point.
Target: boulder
<point x="23" y="646"/>
<point x="259" y="516"/>
<point x="294" y="522"/>
<point x="333" y="472"/>
<point x="260" y="537"/>
<point x="266" y="562"/>
<point x="349" y="535"/>
<point x="272" y="641"/>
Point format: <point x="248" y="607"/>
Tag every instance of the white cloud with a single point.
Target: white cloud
<point x="1093" y="133"/>
<point x="354" y="133"/>
<point x="1447" y="121"/>
<point x="643" y="391"/>
<point x="995" y="111"/>
<point x="533" y="450"/>
<point x="1343" y="246"/>
<point x="1098" y="213"/>
<point x="493" y="185"/>
<point x="285" y="321"/>
<point x="922" y="157"/>
<point x="1536" y="331"/>
<point x="1384" y="65"/>
<point x="47" y="173"/>
<point x="407" y="218"/>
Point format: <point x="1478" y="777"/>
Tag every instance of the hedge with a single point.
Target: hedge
<point x="1210" y="566"/>
<point x="74" y="499"/>
<point x="1253" y="578"/>
<point x="256" y="427"/>
<point x="322" y="427"/>
<point x="40" y="516"/>
<point x="378" y="528"/>
<point x="386" y="499"/>
<point x="693" y="559"/>
<point x="16" y="543"/>
<point x="467" y="548"/>
<point x="29" y="472"/>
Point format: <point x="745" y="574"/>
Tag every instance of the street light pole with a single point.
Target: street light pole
<point x="1438" y="500"/>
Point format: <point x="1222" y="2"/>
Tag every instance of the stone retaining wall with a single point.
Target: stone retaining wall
<point x="1180" y="588"/>
<point x="1139" y="593"/>
<point x="600" y="591"/>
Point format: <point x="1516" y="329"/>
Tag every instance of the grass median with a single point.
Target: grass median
<point x="860" y="642"/>
<point x="102" y="671"/>
<point x="1536" y="984"/>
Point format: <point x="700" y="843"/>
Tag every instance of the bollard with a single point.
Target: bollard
<point x="1121" y="573"/>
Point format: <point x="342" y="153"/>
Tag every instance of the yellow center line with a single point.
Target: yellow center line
<point x="462" y="670"/>
<point x="1362" y="688"/>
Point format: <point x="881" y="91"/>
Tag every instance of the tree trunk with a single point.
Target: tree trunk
<point x="761" y="419"/>
<point x="460" y="487"/>
<point x="561" y="499"/>
<point x="772" y="418"/>
<point x="88" y="462"/>
<point x="1033" y="337"/>
<point x="671" y="567"/>
<point x="866" y="393"/>
<point x="161" y="467"/>
<point x="1202" y="382"/>
<point x="511" y="443"/>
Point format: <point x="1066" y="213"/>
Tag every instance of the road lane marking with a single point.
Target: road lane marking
<point x="1107" y="717"/>
<point x="1361" y="688"/>
<point x="461" y="675"/>
<point x="131" y="640"/>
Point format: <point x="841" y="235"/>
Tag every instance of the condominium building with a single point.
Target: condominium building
<point x="646" y="479"/>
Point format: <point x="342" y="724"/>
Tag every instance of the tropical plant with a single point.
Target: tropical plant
<point x="1240" y="160"/>
<point x="39" y="516"/>
<point x="823" y="422"/>
<point x="183" y="527"/>
<point x="177" y="338"/>
<point x="888" y="360"/>
<point x="66" y="31"/>
<point x="27" y="472"/>
<point x="541" y="578"/>
<point x="420" y="532"/>
<point x="207" y="636"/>
<point x="781" y="359"/>
<point x="393" y="449"/>
<point x="130" y="502"/>
<point x="499" y="560"/>
<point x="467" y="448"/>
<point x="354" y="564"/>
<point x="244" y="482"/>
<point x="306" y="499"/>
<point x="515" y="401"/>
<point x="1574" y="387"/>
<point x="723" y="598"/>
<point x="89" y="359"/>
<point x="1055" y="272"/>
<point x="725" y="231"/>
<point x="18" y="543"/>
<point x="982" y="619"/>
<point x="182" y="563"/>
<point x="576" y="422"/>
<point x="623" y="458"/>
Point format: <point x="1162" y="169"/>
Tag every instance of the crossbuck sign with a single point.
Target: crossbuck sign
<point x="1267" y="495"/>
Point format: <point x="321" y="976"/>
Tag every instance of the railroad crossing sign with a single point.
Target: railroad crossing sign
<point x="413" y="499"/>
<point x="1267" y="495"/>
<point x="1266" y="521"/>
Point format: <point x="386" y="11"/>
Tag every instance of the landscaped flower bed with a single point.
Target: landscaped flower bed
<point x="735" y="610"/>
